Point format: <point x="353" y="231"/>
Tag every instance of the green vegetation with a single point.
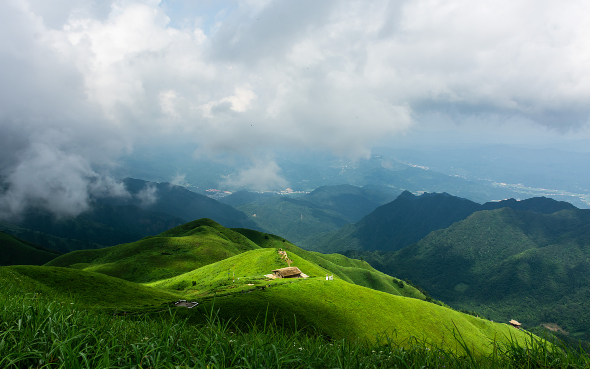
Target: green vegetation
<point x="93" y="289"/>
<point x="37" y="332"/>
<point x="409" y="218"/>
<point x="176" y="251"/>
<point x="61" y="245"/>
<point x="506" y="264"/>
<point x="325" y="209"/>
<point x="397" y="224"/>
<point x="224" y="270"/>
<point x="347" y="269"/>
<point x="333" y="309"/>
<point x="16" y="251"/>
<point x="203" y="242"/>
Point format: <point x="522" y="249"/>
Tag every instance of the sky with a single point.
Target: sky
<point x="85" y="82"/>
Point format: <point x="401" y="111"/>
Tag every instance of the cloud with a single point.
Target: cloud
<point x="148" y="195"/>
<point x="86" y="81"/>
<point x="178" y="180"/>
<point x="262" y="176"/>
<point x="52" y="180"/>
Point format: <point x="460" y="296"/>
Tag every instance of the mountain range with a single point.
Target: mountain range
<point x="327" y="208"/>
<point x="148" y="209"/>
<point x="505" y="264"/>
<point x="409" y="218"/>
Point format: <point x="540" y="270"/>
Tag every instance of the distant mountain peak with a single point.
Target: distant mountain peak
<point x="407" y="195"/>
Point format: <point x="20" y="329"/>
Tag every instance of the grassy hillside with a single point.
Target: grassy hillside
<point x="176" y="251"/>
<point x="202" y="242"/>
<point x="339" y="309"/>
<point x="506" y="264"/>
<point x="16" y="251"/>
<point x="347" y="269"/>
<point x="92" y="289"/>
<point x="49" y="329"/>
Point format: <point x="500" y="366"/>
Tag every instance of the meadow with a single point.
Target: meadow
<point x="91" y="310"/>
<point x="36" y="332"/>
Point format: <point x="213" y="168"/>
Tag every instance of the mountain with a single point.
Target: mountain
<point x="224" y="270"/>
<point x="324" y="309"/>
<point x="505" y="264"/>
<point x="182" y="203"/>
<point x="150" y="209"/>
<point x="203" y="242"/>
<point x="59" y="244"/>
<point x="16" y="251"/>
<point x="410" y="218"/>
<point x="324" y="209"/>
<point x="306" y="172"/>
<point x="103" y="224"/>
<point x="542" y="205"/>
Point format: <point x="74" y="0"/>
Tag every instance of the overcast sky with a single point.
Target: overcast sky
<point x="83" y="82"/>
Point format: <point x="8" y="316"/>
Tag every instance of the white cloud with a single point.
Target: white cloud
<point x="148" y="195"/>
<point x="89" y="80"/>
<point x="263" y="175"/>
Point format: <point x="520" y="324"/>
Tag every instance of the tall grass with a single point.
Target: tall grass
<point x="36" y="332"/>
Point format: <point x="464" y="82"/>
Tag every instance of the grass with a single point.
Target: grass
<point x="39" y="333"/>
<point x="203" y="242"/>
<point x="347" y="269"/>
<point x="334" y="309"/>
<point x="18" y="251"/>
<point x="244" y="268"/>
<point x="179" y="250"/>
<point x="92" y="289"/>
<point x="342" y="310"/>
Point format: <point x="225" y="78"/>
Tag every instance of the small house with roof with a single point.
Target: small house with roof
<point x="515" y="324"/>
<point x="289" y="272"/>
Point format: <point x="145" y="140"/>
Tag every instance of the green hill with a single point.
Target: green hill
<point x="399" y="223"/>
<point x="16" y="251"/>
<point x="506" y="264"/>
<point x="338" y="309"/>
<point x="91" y="289"/>
<point x="347" y="269"/>
<point x="202" y="242"/>
<point x="410" y="218"/>
<point x="333" y="309"/>
<point x="176" y="251"/>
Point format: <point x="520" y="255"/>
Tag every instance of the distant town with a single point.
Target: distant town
<point x="218" y="194"/>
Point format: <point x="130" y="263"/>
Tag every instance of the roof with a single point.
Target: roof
<point x="514" y="322"/>
<point x="286" y="272"/>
